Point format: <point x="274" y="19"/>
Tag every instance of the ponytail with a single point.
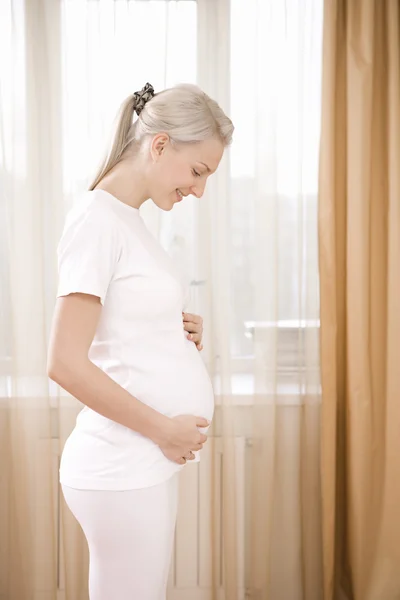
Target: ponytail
<point x="122" y="137"/>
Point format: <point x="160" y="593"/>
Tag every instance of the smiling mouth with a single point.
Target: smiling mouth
<point x="179" y="195"/>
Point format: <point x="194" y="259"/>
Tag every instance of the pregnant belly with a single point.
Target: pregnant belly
<point x="175" y="384"/>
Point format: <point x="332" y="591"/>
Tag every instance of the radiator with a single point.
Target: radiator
<point x="191" y="570"/>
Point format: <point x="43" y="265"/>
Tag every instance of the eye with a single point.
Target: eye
<point x="195" y="173"/>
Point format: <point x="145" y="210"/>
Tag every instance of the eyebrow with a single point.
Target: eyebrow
<point x="206" y="166"/>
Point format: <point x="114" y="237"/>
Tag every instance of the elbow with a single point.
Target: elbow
<point x="59" y="368"/>
<point x="54" y="369"/>
<point x="65" y="368"/>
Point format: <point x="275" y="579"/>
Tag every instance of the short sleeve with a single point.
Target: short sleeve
<point x="88" y="254"/>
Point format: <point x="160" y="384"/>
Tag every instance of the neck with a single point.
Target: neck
<point x="127" y="182"/>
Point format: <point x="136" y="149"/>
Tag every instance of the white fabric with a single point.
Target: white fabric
<point x="107" y="251"/>
<point x="130" y="536"/>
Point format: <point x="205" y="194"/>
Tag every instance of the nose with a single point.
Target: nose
<point x="198" y="190"/>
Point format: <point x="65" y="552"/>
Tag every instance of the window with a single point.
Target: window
<point x="110" y="50"/>
<point x="275" y="58"/>
<point x="266" y="65"/>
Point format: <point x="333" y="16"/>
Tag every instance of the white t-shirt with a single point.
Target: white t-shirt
<point x="107" y="251"/>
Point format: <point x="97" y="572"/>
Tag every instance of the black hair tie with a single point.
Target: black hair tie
<point x="146" y="94"/>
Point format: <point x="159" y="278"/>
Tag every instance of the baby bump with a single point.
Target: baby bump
<point x="176" y="387"/>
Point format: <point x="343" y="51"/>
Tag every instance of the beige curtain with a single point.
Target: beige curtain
<point x="249" y="517"/>
<point x="359" y="233"/>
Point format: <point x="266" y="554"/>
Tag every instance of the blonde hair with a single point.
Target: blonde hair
<point x="184" y="112"/>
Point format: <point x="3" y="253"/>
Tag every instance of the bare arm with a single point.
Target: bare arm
<point x="74" y="325"/>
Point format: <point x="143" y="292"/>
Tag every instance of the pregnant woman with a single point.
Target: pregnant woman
<point x="119" y="345"/>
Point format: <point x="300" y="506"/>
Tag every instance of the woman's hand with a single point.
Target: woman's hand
<point x="194" y="325"/>
<point x="183" y="438"/>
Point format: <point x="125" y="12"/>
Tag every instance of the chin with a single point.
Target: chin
<point x="165" y="205"/>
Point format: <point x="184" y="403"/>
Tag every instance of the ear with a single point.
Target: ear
<point x="158" y="145"/>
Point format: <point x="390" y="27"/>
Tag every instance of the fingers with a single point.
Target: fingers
<point x="194" y="335"/>
<point x="197" y="447"/>
<point x="200" y="441"/>
<point x="196" y="319"/>
<point x="202" y="422"/>
<point x="182" y="460"/>
<point x="194" y="325"/>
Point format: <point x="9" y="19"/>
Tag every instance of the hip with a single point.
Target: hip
<point x="109" y="461"/>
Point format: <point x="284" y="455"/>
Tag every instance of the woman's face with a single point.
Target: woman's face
<point x="180" y="170"/>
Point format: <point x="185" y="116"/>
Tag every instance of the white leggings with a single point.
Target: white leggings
<point x="130" y="536"/>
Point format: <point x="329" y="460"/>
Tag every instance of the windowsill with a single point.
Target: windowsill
<point x="243" y="391"/>
<point x="294" y="324"/>
<point x="241" y="388"/>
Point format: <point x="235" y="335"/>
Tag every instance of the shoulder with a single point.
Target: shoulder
<point x="90" y="223"/>
<point x="92" y="208"/>
<point x="91" y="215"/>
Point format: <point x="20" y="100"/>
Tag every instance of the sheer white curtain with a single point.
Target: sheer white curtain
<point x="30" y="190"/>
<point x="249" y="518"/>
<point x="257" y="244"/>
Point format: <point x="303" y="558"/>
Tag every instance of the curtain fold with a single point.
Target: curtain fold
<point x="359" y="274"/>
